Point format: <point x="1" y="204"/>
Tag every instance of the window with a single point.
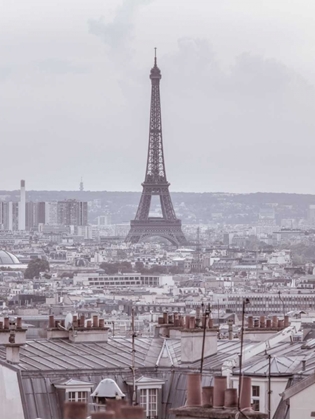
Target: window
<point x="77" y="396"/>
<point x="148" y="400"/>
<point x="256" y="397"/>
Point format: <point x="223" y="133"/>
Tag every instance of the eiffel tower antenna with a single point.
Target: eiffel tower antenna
<point x="155" y="182"/>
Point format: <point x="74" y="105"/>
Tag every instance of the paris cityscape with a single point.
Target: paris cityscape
<point x="157" y="246"/>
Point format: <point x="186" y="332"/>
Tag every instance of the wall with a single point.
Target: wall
<point x="302" y="404"/>
<point x="278" y="386"/>
<point x="11" y="403"/>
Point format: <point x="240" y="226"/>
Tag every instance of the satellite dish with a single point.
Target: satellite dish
<point x="68" y="321"/>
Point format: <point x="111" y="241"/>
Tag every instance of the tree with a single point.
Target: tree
<point x="118" y="267"/>
<point x="35" y="267"/>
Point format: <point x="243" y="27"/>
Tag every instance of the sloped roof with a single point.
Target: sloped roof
<point x="107" y="388"/>
<point x="279" y="366"/>
<point x="298" y="387"/>
<point x="73" y="382"/>
<point x="60" y="355"/>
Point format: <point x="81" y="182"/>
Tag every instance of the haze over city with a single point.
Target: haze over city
<point x="237" y="94"/>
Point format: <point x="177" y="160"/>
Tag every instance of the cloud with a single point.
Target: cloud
<point x="56" y="66"/>
<point x="117" y="34"/>
<point x="4" y="73"/>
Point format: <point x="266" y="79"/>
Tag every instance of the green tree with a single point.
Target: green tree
<point x="118" y="267"/>
<point x="35" y="267"/>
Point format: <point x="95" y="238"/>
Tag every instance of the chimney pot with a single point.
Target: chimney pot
<point x="95" y="321"/>
<point x="193" y="390"/>
<point x="303" y="364"/>
<point x="274" y="322"/>
<point x="165" y="317"/>
<point x="101" y="323"/>
<point x="230" y="398"/>
<point x="6" y="323"/>
<point x="262" y="321"/>
<point x="89" y="324"/>
<point x="207" y="396"/>
<point x="268" y="323"/>
<point x="246" y="392"/>
<point x="1" y="325"/>
<point x="116" y="406"/>
<point x="220" y="385"/>
<point x="192" y="322"/>
<point x="280" y="323"/>
<point x="18" y="323"/>
<point x="187" y="321"/>
<point x="103" y="415"/>
<point x="170" y="319"/>
<point x="250" y="322"/>
<point x="160" y="320"/>
<point x="75" y="410"/>
<point x="51" y="322"/>
<point x="132" y="412"/>
<point x="286" y="321"/>
<point x="198" y="316"/>
<point x="82" y="321"/>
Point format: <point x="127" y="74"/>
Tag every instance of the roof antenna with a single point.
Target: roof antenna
<point x="155" y="56"/>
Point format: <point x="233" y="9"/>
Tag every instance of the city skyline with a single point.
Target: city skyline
<point x="238" y="108"/>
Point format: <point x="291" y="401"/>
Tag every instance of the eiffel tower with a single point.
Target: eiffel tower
<point x="155" y="183"/>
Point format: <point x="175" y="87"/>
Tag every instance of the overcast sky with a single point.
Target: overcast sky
<point x="237" y="90"/>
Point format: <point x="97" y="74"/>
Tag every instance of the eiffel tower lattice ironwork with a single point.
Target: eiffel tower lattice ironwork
<point x="156" y="184"/>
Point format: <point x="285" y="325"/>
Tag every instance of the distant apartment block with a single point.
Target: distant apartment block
<point x="63" y="213"/>
<point x="72" y="213"/>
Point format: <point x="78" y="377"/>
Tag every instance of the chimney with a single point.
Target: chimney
<point x="303" y="364"/>
<point x="275" y="322"/>
<point x="220" y="385"/>
<point x="230" y="325"/>
<point x="192" y="323"/>
<point x="207" y="396"/>
<point x="262" y="321"/>
<point x="286" y="321"/>
<point x="230" y="398"/>
<point x="12" y="327"/>
<point x="250" y="321"/>
<point x="198" y="316"/>
<point x="13" y="353"/>
<point x="268" y="323"/>
<point x="22" y="207"/>
<point x="132" y="412"/>
<point x="280" y="323"/>
<point x="246" y="392"/>
<point x="193" y="390"/>
<point x="191" y="344"/>
<point x="51" y="322"/>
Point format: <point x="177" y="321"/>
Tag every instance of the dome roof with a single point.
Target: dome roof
<point x="8" y="258"/>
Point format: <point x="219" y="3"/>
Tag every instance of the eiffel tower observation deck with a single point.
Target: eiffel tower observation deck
<point x="155" y="184"/>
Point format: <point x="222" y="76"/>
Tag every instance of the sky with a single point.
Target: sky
<point x="237" y="93"/>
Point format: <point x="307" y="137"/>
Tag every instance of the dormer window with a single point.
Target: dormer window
<point x="149" y="402"/>
<point x="75" y="390"/>
<point x="77" y="396"/>
<point x="149" y="396"/>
